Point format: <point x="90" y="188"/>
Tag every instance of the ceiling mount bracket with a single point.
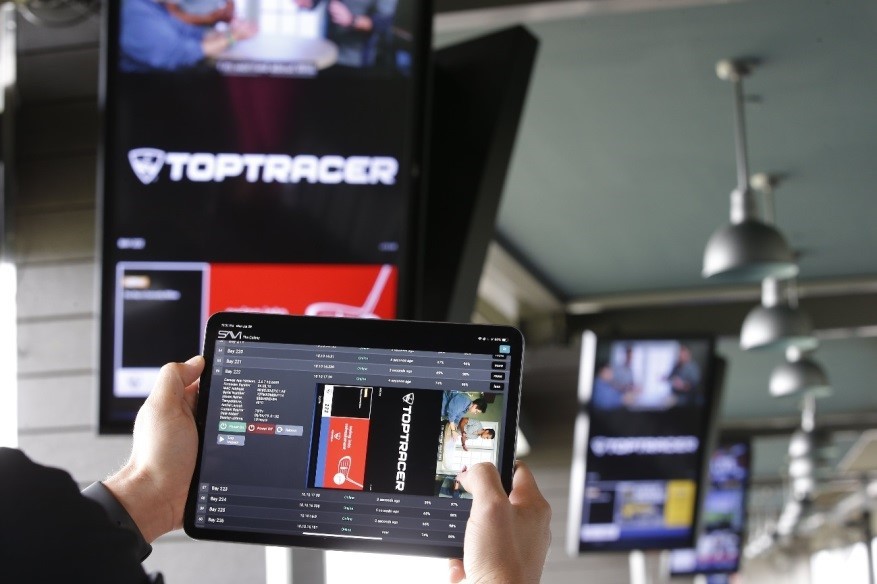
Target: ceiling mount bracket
<point x="735" y="69"/>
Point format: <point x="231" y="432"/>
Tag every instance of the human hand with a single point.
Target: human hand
<point x="241" y="30"/>
<point x="340" y="13"/>
<point x="306" y="4"/>
<point x="507" y="537"/>
<point x="154" y="483"/>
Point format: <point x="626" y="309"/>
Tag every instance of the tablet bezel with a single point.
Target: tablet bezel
<point x="390" y="334"/>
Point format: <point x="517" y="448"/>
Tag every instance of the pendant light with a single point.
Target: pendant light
<point x="799" y="374"/>
<point x="777" y="323"/>
<point x="747" y="250"/>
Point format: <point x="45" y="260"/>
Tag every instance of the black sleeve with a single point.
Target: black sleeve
<point x="49" y="532"/>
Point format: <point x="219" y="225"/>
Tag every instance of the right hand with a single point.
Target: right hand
<point x="507" y="537"/>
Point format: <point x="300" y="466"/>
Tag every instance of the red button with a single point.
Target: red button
<point x="260" y="428"/>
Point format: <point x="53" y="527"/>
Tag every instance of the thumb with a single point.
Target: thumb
<point x="175" y="377"/>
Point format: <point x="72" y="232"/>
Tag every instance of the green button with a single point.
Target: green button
<point x="225" y="426"/>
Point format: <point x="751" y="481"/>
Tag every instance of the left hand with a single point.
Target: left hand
<point x="154" y="483"/>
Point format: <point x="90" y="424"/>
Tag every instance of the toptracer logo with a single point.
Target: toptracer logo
<point x="146" y="163"/>
<point x="330" y="169"/>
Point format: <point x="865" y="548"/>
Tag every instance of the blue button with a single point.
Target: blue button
<point x="230" y="440"/>
<point x="289" y="430"/>
<point x="505" y="349"/>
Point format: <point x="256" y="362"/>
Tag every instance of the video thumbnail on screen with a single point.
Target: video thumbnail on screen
<point x="433" y="435"/>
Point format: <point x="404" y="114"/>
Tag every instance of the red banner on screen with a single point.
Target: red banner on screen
<point x="320" y="290"/>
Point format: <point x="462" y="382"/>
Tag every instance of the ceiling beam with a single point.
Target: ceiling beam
<point x="785" y="425"/>
<point x="718" y="294"/>
<point x="461" y="15"/>
<point x="835" y="316"/>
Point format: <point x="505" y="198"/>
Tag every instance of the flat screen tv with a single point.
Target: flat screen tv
<point x="641" y="439"/>
<point x="719" y="545"/>
<point x="256" y="155"/>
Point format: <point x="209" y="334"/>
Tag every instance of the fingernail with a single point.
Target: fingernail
<point x="194" y="360"/>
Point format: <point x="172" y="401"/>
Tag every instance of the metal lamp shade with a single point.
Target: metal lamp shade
<point x="801" y="444"/>
<point x="777" y="327"/>
<point x="748" y="251"/>
<point x="804" y="375"/>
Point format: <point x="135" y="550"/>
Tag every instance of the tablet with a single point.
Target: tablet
<point x="348" y="434"/>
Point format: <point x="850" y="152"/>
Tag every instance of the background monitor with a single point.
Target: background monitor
<point x="479" y="88"/>
<point x="266" y="160"/>
<point x="648" y="407"/>
<point x="720" y="543"/>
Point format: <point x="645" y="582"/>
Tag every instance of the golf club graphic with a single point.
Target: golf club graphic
<point x="364" y="311"/>
<point x="343" y="471"/>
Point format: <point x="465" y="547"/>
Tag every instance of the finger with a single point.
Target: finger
<point x="191" y="395"/>
<point x="175" y="377"/>
<point x="524" y="487"/>
<point x="192" y="370"/>
<point x="456" y="573"/>
<point x="482" y="480"/>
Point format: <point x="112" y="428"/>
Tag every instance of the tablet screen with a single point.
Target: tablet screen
<point x="348" y="434"/>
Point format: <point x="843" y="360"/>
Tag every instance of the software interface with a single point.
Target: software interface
<point x="347" y="442"/>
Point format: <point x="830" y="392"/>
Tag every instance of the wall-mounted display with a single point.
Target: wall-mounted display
<point x="256" y="155"/>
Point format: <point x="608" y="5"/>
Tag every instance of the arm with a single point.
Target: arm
<point x="224" y="14"/>
<point x="51" y="533"/>
<point x="507" y="537"/>
<point x="463" y="436"/>
<point x="378" y="20"/>
<point x="685" y="378"/>
<point x="158" y="40"/>
<point x="457" y="407"/>
<point x="216" y="42"/>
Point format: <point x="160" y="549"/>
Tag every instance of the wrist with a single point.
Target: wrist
<point x="138" y="494"/>
<point x="118" y="515"/>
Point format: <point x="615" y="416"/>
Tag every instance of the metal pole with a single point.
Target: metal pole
<point x="285" y="565"/>
<point x="638" y="572"/>
<point x="868" y="533"/>
<point x="740" y="134"/>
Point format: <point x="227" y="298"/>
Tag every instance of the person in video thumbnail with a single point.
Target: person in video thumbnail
<point x="456" y="404"/>
<point x="684" y="378"/>
<point x="622" y="373"/>
<point x="606" y="396"/>
<point x="468" y="428"/>
<point x="154" y="36"/>
<point x="360" y="28"/>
